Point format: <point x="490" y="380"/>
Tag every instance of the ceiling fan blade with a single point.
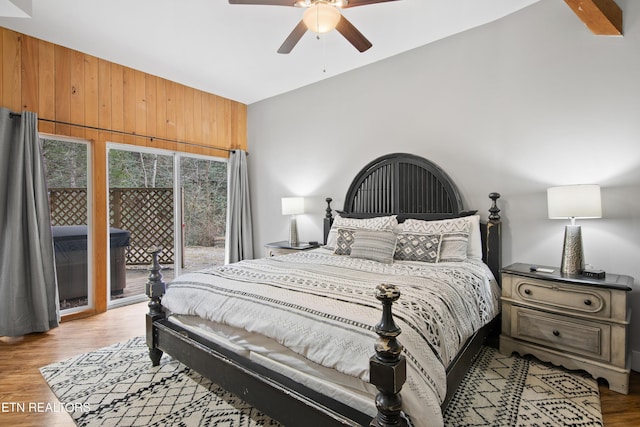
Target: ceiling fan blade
<point x="293" y="38"/>
<point x="352" y="34"/>
<point x="265" y="2"/>
<point x="354" y="3"/>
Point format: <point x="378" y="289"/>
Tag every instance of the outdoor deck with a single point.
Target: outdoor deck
<point x="196" y="258"/>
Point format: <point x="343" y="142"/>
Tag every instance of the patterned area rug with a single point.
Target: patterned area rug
<point x="116" y="386"/>
<point x="506" y="391"/>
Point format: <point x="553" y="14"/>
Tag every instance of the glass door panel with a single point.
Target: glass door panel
<point x="141" y="215"/>
<point x="67" y="167"/>
<point x="203" y="184"/>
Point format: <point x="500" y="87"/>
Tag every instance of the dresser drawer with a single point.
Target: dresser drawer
<point x="578" y="299"/>
<point x="591" y="339"/>
<point x="278" y="251"/>
<point x="275" y="252"/>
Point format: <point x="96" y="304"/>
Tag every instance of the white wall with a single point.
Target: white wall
<point x="521" y="104"/>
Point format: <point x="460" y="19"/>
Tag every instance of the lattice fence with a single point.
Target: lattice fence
<point x="147" y="213"/>
<point x="68" y="206"/>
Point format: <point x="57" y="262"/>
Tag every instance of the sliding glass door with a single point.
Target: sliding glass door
<point x="162" y="198"/>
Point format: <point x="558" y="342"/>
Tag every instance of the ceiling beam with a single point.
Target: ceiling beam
<point x="602" y="17"/>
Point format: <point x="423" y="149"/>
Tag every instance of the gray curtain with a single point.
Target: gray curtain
<point x="28" y="291"/>
<point x="239" y="241"/>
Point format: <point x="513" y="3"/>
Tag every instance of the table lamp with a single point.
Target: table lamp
<point x="293" y="206"/>
<point x="571" y="202"/>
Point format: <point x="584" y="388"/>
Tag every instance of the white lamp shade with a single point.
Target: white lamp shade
<point x="321" y="18"/>
<point x="574" y="201"/>
<point x="292" y="205"/>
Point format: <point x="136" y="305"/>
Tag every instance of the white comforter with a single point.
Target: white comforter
<point x="322" y="306"/>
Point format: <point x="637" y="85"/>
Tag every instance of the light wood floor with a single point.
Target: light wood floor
<point x="20" y="360"/>
<point x="21" y="382"/>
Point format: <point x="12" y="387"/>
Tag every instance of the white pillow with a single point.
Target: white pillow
<point x="380" y="223"/>
<point x="474" y="250"/>
<point x="467" y="224"/>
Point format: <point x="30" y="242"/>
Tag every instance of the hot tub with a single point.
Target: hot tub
<point x="70" y="244"/>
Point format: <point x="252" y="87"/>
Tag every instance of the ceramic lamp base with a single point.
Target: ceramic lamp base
<point x="293" y="232"/>
<point x="572" y="254"/>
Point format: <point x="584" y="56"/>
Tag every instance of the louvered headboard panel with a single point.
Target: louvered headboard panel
<point x="402" y="184"/>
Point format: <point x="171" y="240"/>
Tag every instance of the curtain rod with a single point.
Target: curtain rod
<point x="12" y="115"/>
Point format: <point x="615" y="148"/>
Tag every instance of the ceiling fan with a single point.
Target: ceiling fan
<point x="320" y="16"/>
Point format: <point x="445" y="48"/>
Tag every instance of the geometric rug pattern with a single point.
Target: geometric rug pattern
<point x="509" y="391"/>
<point x="117" y="386"/>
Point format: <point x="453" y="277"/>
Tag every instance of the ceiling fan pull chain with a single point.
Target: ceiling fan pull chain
<point x="324" y="53"/>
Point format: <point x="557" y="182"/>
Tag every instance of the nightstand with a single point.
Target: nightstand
<point x="568" y="320"/>
<point x="283" y="247"/>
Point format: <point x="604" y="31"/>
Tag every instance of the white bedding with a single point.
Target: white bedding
<point x="344" y="388"/>
<point x="322" y="307"/>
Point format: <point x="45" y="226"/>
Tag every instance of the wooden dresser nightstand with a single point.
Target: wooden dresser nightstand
<point x="569" y="320"/>
<point x="283" y="247"/>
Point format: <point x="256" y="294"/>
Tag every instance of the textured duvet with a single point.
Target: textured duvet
<point x="322" y="306"/>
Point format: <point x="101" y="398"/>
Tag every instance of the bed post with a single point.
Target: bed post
<point x="388" y="367"/>
<point x="494" y="238"/>
<point x="328" y="219"/>
<point x="155" y="288"/>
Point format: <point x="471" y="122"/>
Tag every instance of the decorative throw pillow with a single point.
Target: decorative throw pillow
<point x="454" y="247"/>
<point x="474" y="250"/>
<point x="418" y="247"/>
<point x="469" y="225"/>
<point x="387" y="223"/>
<point x="344" y="241"/>
<point x="374" y="245"/>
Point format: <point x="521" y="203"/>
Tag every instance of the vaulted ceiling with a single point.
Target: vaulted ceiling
<point x="231" y="50"/>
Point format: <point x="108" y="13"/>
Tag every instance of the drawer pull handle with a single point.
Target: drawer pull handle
<point x="527" y="291"/>
<point x="556" y="333"/>
<point x="587" y="302"/>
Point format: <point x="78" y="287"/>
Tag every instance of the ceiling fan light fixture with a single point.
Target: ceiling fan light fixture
<point x="321" y="18"/>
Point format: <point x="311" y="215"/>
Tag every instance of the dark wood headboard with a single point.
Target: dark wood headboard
<point x="403" y="184"/>
<point x="410" y="186"/>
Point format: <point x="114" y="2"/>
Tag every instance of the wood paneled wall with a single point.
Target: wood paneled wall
<point x="64" y="85"/>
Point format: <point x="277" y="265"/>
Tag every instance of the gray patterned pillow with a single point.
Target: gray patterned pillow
<point x="387" y="223"/>
<point x="374" y="245"/>
<point x="454" y="247"/>
<point x="418" y="247"/>
<point x="344" y="240"/>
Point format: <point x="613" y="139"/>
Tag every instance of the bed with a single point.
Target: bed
<point x="295" y="335"/>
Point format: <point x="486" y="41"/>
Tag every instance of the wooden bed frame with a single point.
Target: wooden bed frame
<point x="401" y="184"/>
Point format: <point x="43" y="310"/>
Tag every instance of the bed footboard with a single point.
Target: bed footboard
<point x="154" y="289"/>
<point x="273" y="393"/>
<point x="388" y="367"/>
